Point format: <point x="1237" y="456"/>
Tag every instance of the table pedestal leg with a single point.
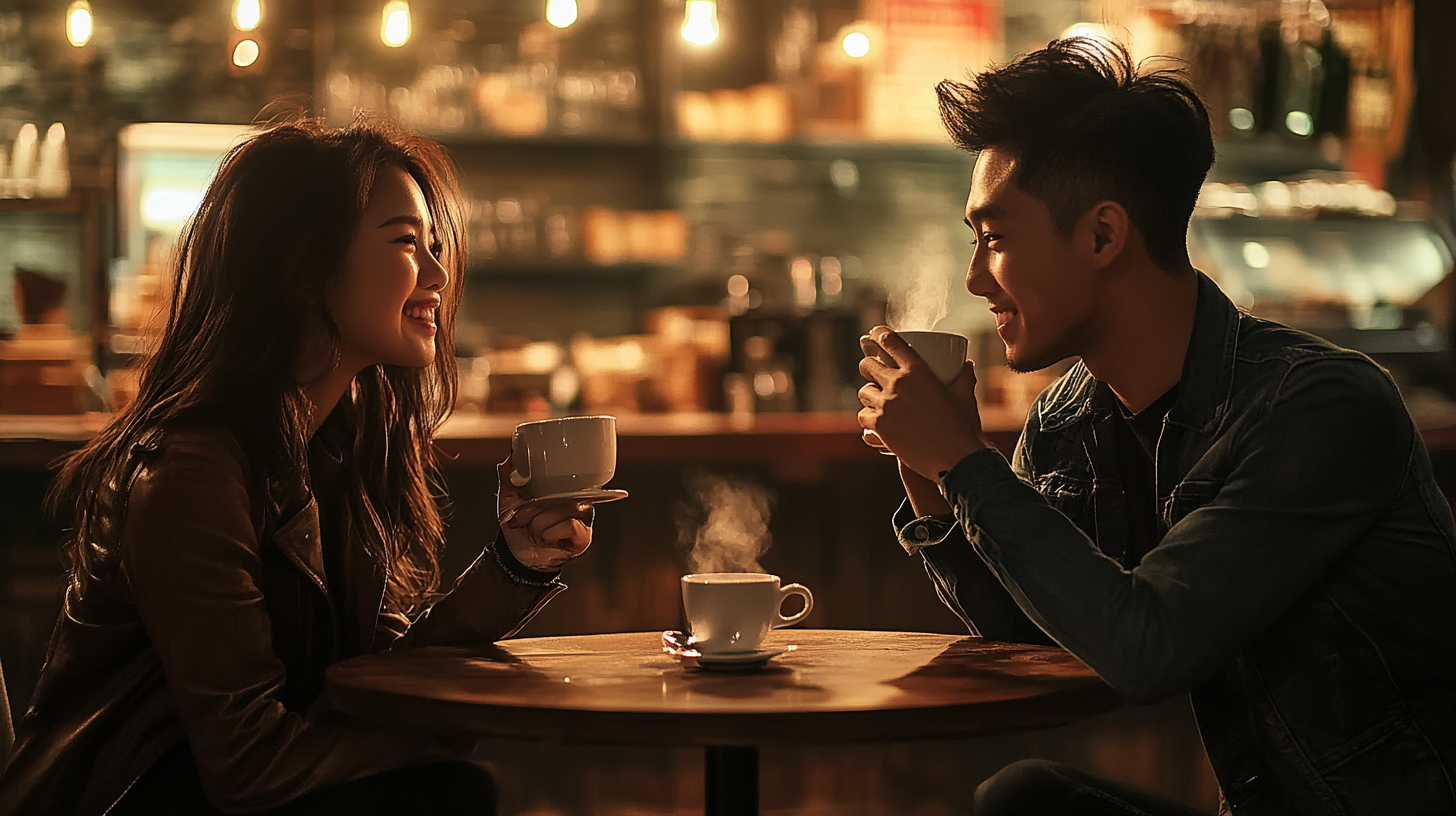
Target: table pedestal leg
<point x="730" y="780"/>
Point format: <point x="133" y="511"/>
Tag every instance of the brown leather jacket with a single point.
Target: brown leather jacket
<point x="218" y="627"/>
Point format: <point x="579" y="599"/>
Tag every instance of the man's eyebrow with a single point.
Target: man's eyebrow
<point x="984" y="212"/>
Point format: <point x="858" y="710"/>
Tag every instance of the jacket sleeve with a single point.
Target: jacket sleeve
<point x="1310" y="470"/>
<point x="491" y="601"/>
<point x="962" y="580"/>
<point x="190" y="555"/>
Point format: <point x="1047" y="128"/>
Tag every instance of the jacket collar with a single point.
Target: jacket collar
<point x="1208" y="367"/>
<point x="1207" y="378"/>
<point x="298" y="534"/>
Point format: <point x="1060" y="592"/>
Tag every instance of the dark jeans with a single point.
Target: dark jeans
<point x="1037" y="787"/>
<point x="172" y="788"/>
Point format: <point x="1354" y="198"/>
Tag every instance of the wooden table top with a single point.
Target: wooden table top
<point x="832" y="687"/>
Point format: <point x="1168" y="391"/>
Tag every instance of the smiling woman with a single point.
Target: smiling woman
<point x="265" y="507"/>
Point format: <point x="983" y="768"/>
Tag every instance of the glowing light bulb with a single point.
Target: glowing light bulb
<point x="856" y="44"/>
<point x="247" y="14"/>
<point x="1256" y="255"/>
<point x="561" y="13"/>
<point x="245" y="53"/>
<point x="395" y="28"/>
<point x="79" y="23"/>
<point x="1091" y="31"/>
<point x="700" y="22"/>
<point x="168" y="207"/>
<point x="1299" y="123"/>
<point x="1241" y="119"/>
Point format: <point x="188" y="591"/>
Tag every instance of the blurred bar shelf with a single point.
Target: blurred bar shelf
<point x="816" y="150"/>
<point x="527" y="270"/>
<point x="781" y="439"/>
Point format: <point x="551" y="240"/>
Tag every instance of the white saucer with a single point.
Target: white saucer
<point x="735" y="661"/>
<point x="583" y="496"/>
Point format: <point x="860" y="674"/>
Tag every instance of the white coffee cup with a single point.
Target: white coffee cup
<point x="944" y="352"/>
<point x="568" y="455"/>
<point x="731" y="612"/>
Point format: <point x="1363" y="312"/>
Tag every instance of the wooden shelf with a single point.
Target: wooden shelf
<point x="73" y="204"/>
<point x="518" y="271"/>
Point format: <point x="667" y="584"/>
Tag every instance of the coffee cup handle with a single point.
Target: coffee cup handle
<point x="793" y="589"/>
<point x="520" y="462"/>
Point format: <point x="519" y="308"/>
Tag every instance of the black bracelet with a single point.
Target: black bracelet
<point x="500" y="561"/>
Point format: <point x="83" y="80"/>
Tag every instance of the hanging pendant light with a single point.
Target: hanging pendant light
<point x="247" y="14"/>
<point x="561" y="13"/>
<point x="394" y="27"/>
<point x="700" y="22"/>
<point x="79" y="23"/>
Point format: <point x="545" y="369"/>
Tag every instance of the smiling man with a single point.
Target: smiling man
<point x="1207" y="503"/>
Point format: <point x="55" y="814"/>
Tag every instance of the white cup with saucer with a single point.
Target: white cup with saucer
<point x="730" y="613"/>
<point x="566" y="459"/>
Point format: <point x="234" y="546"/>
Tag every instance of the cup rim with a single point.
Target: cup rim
<point x="723" y="578"/>
<point x="932" y="332"/>
<point x="563" y="419"/>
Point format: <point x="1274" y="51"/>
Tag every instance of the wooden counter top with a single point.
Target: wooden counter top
<point x="478" y="439"/>
<point x="798" y="444"/>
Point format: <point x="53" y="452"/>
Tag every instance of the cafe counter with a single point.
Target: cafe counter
<point x="796" y="445"/>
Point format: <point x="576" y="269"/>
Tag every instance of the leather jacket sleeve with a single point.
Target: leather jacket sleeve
<point x="191" y="560"/>
<point x="484" y="606"/>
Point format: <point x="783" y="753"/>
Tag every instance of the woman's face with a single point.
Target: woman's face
<point x="385" y="301"/>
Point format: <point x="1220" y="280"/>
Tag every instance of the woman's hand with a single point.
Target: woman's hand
<point x="541" y="536"/>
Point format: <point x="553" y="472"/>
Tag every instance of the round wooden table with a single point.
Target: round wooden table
<point x="830" y="686"/>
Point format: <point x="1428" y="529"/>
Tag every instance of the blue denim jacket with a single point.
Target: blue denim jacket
<point x="1304" y="592"/>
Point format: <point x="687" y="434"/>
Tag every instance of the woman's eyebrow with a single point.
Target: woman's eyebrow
<point x="413" y="220"/>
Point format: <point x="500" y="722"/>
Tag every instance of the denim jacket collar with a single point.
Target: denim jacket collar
<point x="1208" y="365"/>
<point x="1207" y="372"/>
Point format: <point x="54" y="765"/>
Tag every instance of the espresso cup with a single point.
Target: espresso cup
<point x="730" y="612"/>
<point x="567" y="455"/>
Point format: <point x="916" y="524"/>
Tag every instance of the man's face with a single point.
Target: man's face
<point x="1041" y="287"/>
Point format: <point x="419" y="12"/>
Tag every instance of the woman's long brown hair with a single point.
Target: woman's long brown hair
<point x="251" y="269"/>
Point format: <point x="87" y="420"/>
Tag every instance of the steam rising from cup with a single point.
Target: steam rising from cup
<point x="923" y="297"/>
<point x="724" y="525"/>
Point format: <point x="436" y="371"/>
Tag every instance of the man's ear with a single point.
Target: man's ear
<point x="1110" y="226"/>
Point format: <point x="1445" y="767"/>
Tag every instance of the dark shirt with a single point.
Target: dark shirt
<point x="1137" y="450"/>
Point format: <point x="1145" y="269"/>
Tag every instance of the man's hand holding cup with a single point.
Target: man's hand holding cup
<point x="930" y="422"/>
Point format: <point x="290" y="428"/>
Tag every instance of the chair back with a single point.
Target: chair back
<point x="7" y="731"/>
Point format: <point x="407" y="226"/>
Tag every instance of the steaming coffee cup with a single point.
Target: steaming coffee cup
<point x="943" y="352"/>
<point x="552" y="457"/>
<point x="732" y="612"/>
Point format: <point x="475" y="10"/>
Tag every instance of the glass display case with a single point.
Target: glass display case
<point x="1377" y="285"/>
<point x="162" y="171"/>
<point x="47" y="292"/>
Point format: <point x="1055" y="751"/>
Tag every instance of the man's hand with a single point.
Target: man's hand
<point x="930" y="426"/>
<point x="541" y="536"/>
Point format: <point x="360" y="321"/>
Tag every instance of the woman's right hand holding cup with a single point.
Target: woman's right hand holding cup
<point x="542" y="536"/>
